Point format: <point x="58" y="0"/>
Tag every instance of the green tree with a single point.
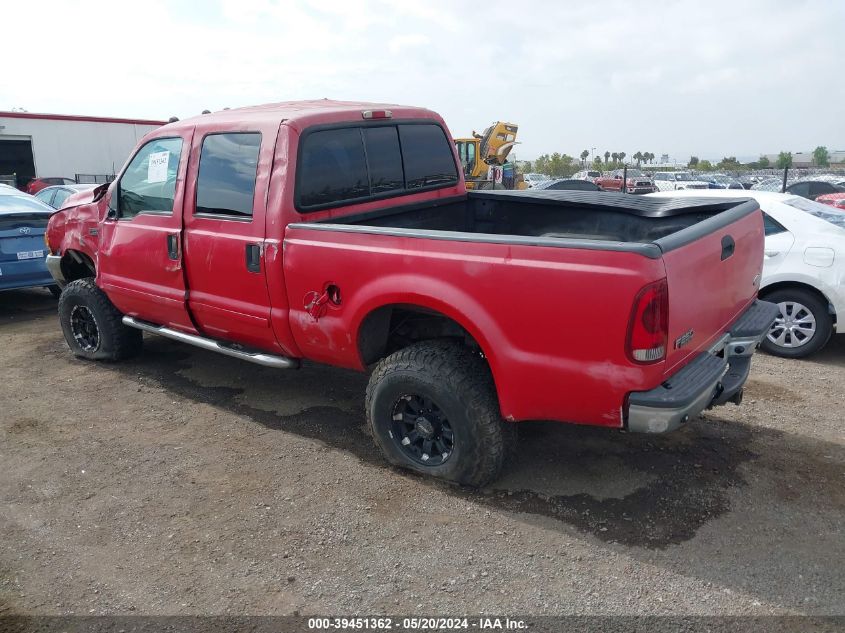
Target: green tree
<point x="821" y="157"/>
<point x="638" y="157"/>
<point x="607" y="157"/>
<point x="597" y="162"/>
<point x="541" y="165"/>
<point x="622" y="157"/>
<point x="763" y="163"/>
<point x="729" y="163"/>
<point x="527" y="167"/>
<point x="784" y="160"/>
<point x="615" y="157"/>
<point x="705" y="165"/>
<point x="693" y="162"/>
<point x="584" y="155"/>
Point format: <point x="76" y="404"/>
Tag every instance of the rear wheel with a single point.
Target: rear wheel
<point x="432" y="408"/>
<point x="92" y="325"/>
<point x="803" y="326"/>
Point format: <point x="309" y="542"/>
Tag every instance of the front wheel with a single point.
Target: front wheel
<point x="803" y="326"/>
<point x="92" y="326"/>
<point x="432" y="408"/>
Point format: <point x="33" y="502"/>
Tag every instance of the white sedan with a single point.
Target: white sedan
<point x="803" y="268"/>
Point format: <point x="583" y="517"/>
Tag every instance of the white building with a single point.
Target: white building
<point x="85" y="148"/>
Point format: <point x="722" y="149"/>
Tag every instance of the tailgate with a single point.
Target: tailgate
<point x="713" y="272"/>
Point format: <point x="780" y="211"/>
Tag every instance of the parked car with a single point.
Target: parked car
<point x="37" y="184"/>
<point x="367" y="252"/>
<point x="833" y="199"/>
<point x="677" y="180"/>
<point x="803" y="271"/>
<point x="56" y="195"/>
<point x="812" y="189"/>
<point x="637" y="182"/>
<point x="587" y="174"/>
<point x="571" y="184"/>
<point x="533" y="179"/>
<point x="720" y="181"/>
<point x="23" y="221"/>
<point x="748" y="181"/>
<point x="768" y="184"/>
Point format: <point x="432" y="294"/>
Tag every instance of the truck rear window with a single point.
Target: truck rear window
<point x="358" y="163"/>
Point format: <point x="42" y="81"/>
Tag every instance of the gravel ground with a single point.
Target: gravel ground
<point x="189" y="483"/>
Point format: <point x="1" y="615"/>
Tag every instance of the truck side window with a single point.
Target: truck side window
<point x="333" y="167"/>
<point x="384" y="159"/>
<point x="227" y="169"/>
<point x="149" y="182"/>
<point x="427" y="155"/>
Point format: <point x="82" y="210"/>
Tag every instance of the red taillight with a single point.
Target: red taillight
<point x="377" y="114"/>
<point x="648" y="329"/>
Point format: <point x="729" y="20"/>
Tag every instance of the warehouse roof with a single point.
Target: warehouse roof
<point x="76" y="117"/>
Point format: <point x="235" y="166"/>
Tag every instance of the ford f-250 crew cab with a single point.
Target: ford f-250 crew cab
<point x="343" y="233"/>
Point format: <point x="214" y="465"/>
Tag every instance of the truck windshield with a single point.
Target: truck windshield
<point x="821" y="211"/>
<point x="683" y="176"/>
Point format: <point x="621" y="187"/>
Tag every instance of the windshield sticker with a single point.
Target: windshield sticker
<point x="157" y="169"/>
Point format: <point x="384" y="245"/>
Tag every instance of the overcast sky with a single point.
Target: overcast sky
<point x="707" y="77"/>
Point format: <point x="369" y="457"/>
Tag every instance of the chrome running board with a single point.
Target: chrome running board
<point x="259" y="358"/>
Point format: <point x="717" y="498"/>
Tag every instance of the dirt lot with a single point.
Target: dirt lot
<point x="186" y="483"/>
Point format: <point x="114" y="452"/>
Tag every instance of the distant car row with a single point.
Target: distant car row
<point x="828" y="190"/>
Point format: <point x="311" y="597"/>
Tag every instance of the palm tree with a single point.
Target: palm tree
<point x="615" y="156"/>
<point x="638" y="157"/>
<point x="607" y="157"/>
<point x="622" y="156"/>
<point x="584" y="155"/>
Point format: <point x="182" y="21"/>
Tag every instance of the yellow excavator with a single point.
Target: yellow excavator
<point x="483" y="151"/>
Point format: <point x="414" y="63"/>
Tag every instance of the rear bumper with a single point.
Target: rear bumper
<point x="24" y="273"/>
<point x="54" y="265"/>
<point x="712" y="378"/>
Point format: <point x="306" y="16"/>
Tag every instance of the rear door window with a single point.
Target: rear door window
<point x="226" y="179"/>
<point x="61" y="196"/>
<point x="46" y="196"/>
<point x="771" y="226"/>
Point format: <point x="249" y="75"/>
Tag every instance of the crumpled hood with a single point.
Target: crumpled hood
<point x="81" y="197"/>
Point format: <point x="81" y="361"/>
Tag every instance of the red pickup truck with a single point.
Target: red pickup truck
<point x="343" y="233"/>
<point x="637" y="181"/>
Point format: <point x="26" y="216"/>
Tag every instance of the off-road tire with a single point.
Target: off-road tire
<point x="460" y="382"/>
<point x="115" y="341"/>
<point x="819" y="310"/>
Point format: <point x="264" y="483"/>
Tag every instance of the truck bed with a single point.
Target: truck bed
<point x="596" y="220"/>
<point x="544" y="282"/>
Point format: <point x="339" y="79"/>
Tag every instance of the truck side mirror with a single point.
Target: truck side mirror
<point x="113" y="208"/>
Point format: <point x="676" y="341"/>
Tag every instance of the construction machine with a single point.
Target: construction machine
<point x="484" y="153"/>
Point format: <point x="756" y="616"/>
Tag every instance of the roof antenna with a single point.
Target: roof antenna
<point x="173" y="119"/>
<point x="206" y="111"/>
